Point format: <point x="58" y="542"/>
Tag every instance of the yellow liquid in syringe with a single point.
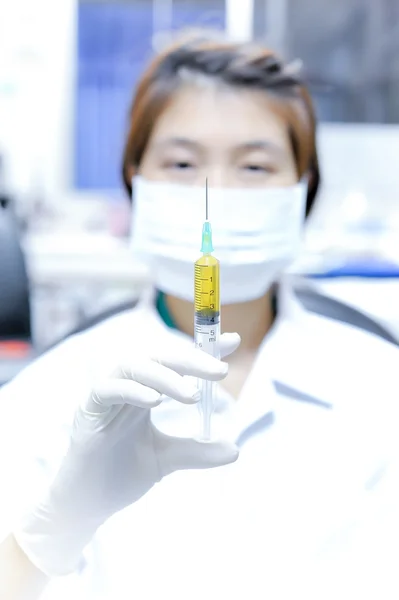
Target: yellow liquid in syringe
<point x="207" y="327"/>
<point x="207" y="316"/>
<point x="207" y="287"/>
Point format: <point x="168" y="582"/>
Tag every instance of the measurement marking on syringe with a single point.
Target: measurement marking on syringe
<point x="207" y="315"/>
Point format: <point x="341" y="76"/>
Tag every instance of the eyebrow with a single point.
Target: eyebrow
<point x="180" y="141"/>
<point x="253" y="145"/>
<point x="267" y="146"/>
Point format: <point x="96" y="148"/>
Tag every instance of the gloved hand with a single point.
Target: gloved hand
<point x="116" y="454"/>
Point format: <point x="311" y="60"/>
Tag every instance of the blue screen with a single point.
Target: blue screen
<point x="114" y="44"/>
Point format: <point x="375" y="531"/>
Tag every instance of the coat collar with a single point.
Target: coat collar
<point x="294" y="354"/>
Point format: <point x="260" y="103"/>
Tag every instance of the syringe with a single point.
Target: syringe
<point x="207" y="315"/>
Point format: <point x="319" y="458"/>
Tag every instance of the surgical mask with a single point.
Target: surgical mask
<point x="256" y="235"/>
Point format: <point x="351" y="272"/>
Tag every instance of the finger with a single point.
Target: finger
<point x="162" y="379"/>
<point x="193" y="362"/>
<point x="177" y="454"/>
<point x="114" y="392"/>
<point x="229" y="343"/>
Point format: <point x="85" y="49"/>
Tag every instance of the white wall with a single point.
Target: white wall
<point x="37" y="75"/>
<point x="362" y="159"/>
<point x="365" y="155"/>
<point x="239" y="19"/>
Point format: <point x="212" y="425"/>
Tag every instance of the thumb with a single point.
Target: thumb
<point x="178" y="454"/>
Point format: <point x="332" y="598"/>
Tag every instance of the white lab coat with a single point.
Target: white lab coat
<point x="310" y="509"/>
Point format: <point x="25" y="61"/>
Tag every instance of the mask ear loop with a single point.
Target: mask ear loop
<point x="305" y="180"/>
<point x="303" y="183"/>
<point x="134" y="177"/>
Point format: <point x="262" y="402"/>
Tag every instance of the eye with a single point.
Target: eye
<point x="180" y="165"/>
<point x="253" y="168"/>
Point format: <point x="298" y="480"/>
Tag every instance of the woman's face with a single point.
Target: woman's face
<point x="232" y="137"/>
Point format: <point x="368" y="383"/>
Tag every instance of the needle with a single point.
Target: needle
<point x="206" y="199"/>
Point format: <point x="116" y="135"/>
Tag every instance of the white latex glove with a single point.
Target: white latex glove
<point x="116" y="454"/>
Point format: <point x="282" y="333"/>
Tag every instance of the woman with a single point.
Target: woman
<point x="309" y="404"/>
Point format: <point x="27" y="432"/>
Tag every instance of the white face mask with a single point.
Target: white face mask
<point x="256" y="235"/>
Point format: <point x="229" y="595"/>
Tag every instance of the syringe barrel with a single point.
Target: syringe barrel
<point x="207" y="334"/>
<point x="207" y="327"/>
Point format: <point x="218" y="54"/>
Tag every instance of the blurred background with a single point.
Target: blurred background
<point x="67" y="75"/>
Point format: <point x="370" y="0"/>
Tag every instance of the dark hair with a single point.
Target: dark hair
<point x="237" y="64"/>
